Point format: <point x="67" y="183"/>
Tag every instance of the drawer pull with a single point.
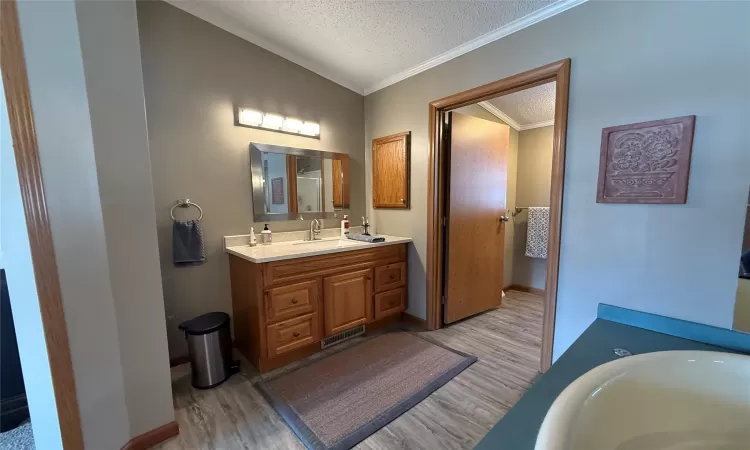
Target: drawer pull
<point x="296" y="334"/>
<point x="392" y="277"/>
<point x="294" y="301"/>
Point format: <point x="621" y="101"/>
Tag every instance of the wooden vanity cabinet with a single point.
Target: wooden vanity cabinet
<point x="283" y="309"/>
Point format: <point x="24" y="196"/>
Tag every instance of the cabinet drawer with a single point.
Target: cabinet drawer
<point x="291" y="334"/>
<point x="390" y="302"/>
<point x="290" y="301"/>
<point x="294" y="270"/>
<point x="390" y="276"/>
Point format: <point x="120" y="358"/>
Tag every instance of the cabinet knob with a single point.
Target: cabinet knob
<point x="294" y="301"/>
<point x="403" y="200"/>
<point x="392" y="277"/>
<point x="296" y="334"/>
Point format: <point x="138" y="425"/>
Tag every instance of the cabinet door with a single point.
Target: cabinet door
<point x="340" y="169"/>
<point x="347" y="300"/>
<point x="390" y="171"/>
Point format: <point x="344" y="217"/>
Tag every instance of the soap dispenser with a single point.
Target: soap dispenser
<point x="345" y="226"/>
<point x="265" y="235"/>
<point x="253" y="239"/>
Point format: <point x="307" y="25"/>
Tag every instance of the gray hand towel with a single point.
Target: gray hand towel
<point x="363" y="238"/>
<point x="187" y="242"/>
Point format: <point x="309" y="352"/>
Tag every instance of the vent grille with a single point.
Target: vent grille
<point x="343" y="336"/>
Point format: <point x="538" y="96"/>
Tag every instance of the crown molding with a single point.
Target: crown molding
<point x="492" y="109"/>
<point x="500" y="115"/>
<point x="517" y="25"/>
<point x="198" y="10"/>
<point x="531" y="126"/>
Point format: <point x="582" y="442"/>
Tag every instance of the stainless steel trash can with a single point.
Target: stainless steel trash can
<point x="210" y="349"/>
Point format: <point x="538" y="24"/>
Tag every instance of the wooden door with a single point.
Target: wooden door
<point x="340" y="169"/>
<point x="475" y="210"/>
<point x="390" y="171"/>
<point x="348" y="301"/>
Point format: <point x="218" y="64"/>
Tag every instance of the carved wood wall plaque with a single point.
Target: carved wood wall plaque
<point x="647" y="162"/>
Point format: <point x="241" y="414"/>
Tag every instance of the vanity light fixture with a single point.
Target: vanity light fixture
<point x="310" y="129"/>
<point x="268" y="121"/>
<point x="250" y="117"/>
<point x="292" y="125"/>
<point x="272" y="121"/>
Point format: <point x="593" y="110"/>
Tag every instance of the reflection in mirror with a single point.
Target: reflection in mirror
<point x="289" y="183"/>
<point x="310" y="186"/>
<point x="742" y="305"/>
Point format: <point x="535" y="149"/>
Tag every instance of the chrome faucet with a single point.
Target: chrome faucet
<point x="314" y="230"/>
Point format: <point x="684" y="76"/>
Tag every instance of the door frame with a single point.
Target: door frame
<point x="559" y="72"/>
<point x="26" y="149"/>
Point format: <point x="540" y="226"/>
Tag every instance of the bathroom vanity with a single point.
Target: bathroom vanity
<point x="289" y="296"/>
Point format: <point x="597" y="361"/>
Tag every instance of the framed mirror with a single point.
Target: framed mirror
<point x="289" y="183"/>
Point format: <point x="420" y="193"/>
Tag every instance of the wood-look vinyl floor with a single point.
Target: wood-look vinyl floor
<point x="507" y="341"/>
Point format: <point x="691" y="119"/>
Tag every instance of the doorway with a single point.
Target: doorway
<point x="466" y="225"/>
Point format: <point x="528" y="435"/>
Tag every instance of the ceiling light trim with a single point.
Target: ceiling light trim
<point x="500" y="115"/>
<point x="517" y="25"/>
<point x="227" y="24"/>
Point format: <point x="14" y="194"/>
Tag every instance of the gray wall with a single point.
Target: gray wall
<point x="195" y="74"/>
<point x="112" y="65"/>
<point x="631" y="62"/>
<point x="510" y="198"/>
<point x="533" y="188"/>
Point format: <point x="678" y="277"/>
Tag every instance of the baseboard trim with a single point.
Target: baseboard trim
<point x="153" y="437"/>
<point x="529" y="289"/>
<point x="413" y="320"/>
<point x="178" y="361"/>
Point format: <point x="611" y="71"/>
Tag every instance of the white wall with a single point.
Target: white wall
<point x="631" y="62"/>
<point x="16" y="259"/>
<point x="95" y="166"/>
<point x="114" y="83"/>
<point x="63" y="127"/>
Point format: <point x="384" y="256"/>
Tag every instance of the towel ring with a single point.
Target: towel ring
<point x="185" y="203"/>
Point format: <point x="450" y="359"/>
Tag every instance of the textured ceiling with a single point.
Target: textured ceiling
<point x="359" y="43"/>
<point x="528" y="107"/>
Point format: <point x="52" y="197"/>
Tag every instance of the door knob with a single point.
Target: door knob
<point x="503" y="219"/>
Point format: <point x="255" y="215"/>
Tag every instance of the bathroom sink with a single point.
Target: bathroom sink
<point x="674" y="400"/>
<point x="327" y="244"/>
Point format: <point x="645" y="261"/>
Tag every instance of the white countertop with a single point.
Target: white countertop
<point x="301" y="249"/>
